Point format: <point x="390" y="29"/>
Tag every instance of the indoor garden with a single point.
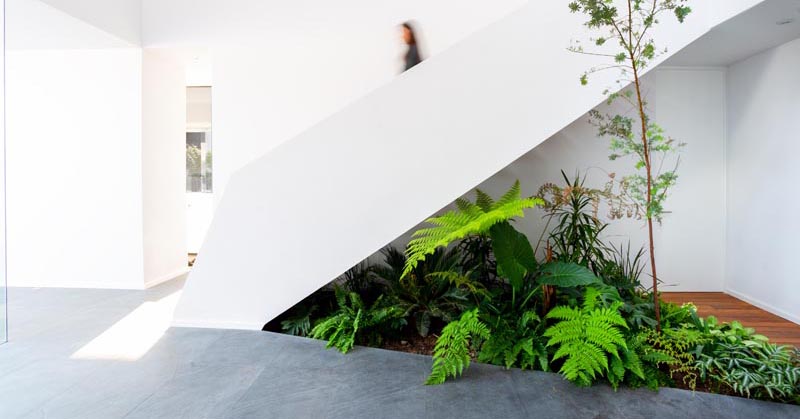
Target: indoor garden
<point x="470" y="287"/>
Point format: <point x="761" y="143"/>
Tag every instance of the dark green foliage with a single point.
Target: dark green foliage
<point x="477" y="257"/>
<point x="452" y="353"/>
<point x="469" y="219"/>
<point x="516" y="341"/>
<point x="360" y="279"/>
<point x="355" y="322"/>
<point x="433" y="290"/>
<point x="299" y="324"/>
<point x="513" y="253"/>
<point x="586" y="337"/>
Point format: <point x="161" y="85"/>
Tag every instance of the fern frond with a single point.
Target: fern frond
<point x="468" y="219"/>
<point x="586" y="338"/>
<point x="451" y="354"/>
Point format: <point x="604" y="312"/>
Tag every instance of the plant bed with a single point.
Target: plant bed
<point x="412" y="344"/>
<point x="471" y="289"/>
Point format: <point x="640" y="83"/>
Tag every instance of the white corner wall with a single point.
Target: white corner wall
<point x="163" y="167"/>
<point x="74" y="168"/>
<point x="763" y="174"/>
<point x="94" y="154"/>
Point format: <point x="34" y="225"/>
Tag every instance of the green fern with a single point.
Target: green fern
<point x="516" y="341"/>
<point x="469" y="219"/>
<point x="586" y="337"/>
<point x="451" y="356"/>
<point x="353" y="321"/>
<point x="627" y="363"/>
<point x="674" y="349"/>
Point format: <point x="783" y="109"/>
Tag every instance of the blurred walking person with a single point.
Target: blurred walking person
<point x="413" y="56"/>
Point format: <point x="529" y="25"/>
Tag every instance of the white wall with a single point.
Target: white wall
<point x="163" y="167"/>
<point x="74" y="168"/>
<point x="80" y="137"/>
<point x="763" y="175"/>
<point x="281" y="67"/>
<point x="345" y="187"/>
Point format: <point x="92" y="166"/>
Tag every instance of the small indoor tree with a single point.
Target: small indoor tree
<point x="628" y="24"/>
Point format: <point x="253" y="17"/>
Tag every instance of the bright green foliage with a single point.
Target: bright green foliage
<point x="586" y="337"/>
<point x="354" y="321"/>
<point x="451" y="356"/>
<point x="469" y="219"/>
<point x="516" y="342"/>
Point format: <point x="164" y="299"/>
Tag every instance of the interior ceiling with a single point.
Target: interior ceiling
<point x="749" y="33"/>
<point x="32" y="24"/>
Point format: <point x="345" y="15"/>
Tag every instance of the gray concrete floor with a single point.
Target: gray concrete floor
<point x="202" y="373"/>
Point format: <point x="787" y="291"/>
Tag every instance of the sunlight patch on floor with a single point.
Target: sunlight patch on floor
<point x="134" y="335"/>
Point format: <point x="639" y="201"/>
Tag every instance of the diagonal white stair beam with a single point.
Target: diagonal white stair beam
<point x="304" y="213"/>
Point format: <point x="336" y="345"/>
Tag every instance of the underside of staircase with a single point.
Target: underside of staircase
<point x="299" y="216"/>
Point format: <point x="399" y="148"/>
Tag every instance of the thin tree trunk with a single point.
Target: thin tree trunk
<point x="648" y="167"/>
<point x="646" y="153"/>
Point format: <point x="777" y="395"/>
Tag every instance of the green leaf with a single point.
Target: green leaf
<point x="513" y="252"/>
<point x="563" y="274"/>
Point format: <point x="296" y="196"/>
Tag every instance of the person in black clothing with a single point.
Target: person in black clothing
<point x="413" y="56"/>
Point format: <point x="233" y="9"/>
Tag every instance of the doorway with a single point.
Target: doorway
<point x="199" y="167"/>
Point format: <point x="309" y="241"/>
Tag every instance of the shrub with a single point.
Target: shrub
<point x="516" y="341"/>
<point x="748" y="364"/>
<point x="354" y="322"/>
<point x="429" y="292"/>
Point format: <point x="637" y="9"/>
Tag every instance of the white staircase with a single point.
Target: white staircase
<point x="302" y="214"/>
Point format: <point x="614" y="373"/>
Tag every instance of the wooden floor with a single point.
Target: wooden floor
<point x="726" y="308"/>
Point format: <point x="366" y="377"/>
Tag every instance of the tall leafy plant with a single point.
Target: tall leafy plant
<point x="628" y="24"/>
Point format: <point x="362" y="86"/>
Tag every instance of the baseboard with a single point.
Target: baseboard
<point x="764" y="306"/>
<point x="215" y="325"/>
<point x="162" y="279"/>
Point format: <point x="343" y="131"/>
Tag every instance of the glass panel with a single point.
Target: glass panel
<point x="198" y="139"/>
<point x="3" y="292"/>
<point x="198" y="162"/>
